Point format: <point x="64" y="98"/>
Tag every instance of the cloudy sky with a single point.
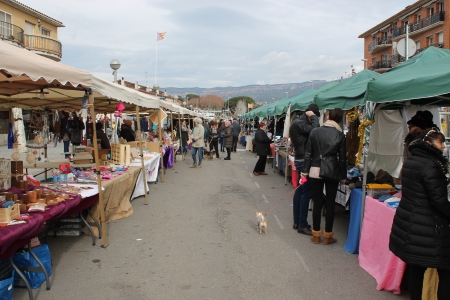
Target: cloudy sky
<point x="212" y="43"/>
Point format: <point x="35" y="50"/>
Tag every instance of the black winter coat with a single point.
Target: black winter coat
<point x="420" y="232"/>
<point x="262" y="143"/>
<point x="299" y="132"/>
<point x="332" y="144"/>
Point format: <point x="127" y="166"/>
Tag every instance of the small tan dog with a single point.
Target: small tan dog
<point x="261" y="222"/>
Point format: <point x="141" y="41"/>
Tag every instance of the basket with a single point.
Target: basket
<point x="10" y="213"/>
<point x="120" y="154"/>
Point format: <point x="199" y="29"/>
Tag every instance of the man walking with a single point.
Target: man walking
<point x="236" y="131"/>
<point x="299" y="132"/>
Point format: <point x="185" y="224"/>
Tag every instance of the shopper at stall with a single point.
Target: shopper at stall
<point x="415" y="127"/>
<point x="198" y="142"/>
<point x="222" y="135"/>
<point x="76" y="127"/>
<point x="262" y="142"/>
<point x="184" y="137"/>
<point x="325" y="163"/>
<point x="228" y="136"/>
<point x="65" y="133"/>
<point x="214" y="138"/>
<point x="420" y="233"/>
<point x="101" y="135"/>
<point x="299" y="132"/>
<point x="236" y="131"/>
<point x="126" y="132"/>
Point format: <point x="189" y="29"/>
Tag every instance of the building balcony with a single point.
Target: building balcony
<point x="397" y="59"/>
<point x="381" y="66"/>
<point x="420" y="26"/>
<point x="380" y="44"/>
<point x="11" y="33"/>
<point x="43" y="46"/>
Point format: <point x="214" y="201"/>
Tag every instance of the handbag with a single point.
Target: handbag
<point x="329" y="167"/>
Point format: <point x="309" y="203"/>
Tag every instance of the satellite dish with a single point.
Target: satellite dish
<point x="411" y="47"/>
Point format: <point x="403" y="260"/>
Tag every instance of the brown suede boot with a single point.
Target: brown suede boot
<point x="316" y="236"/>
<point x="328" y="238"/>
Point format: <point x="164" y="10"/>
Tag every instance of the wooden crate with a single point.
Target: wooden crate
<point x="120" y="154"/>
<point x="10" y="213"/>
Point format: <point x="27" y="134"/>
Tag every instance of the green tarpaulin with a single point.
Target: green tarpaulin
<point x="280" y="107"/>
<point x="424" y="79"/>
<point x="302" y="103"/>
<point x="348" y="93"/>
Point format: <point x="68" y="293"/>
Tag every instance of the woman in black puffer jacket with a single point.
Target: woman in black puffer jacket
<point x="420" y="233"/>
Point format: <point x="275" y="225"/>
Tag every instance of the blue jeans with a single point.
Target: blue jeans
<point x="222" y="144"/>
<point x="200" y="155"/>
<point x="66" y="148"/>
<point x="302" y="196"/>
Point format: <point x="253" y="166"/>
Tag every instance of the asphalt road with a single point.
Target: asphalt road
<point x="197" y="240"/>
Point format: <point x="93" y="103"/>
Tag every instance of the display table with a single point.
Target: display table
<point x="168" y="156"/>
<point x="54" y="164"/>
<point x="116" y="196"/>
<point x="374" y="254"/>
<point x="281" y="163"/>
<point x="249" y="143"/>
<point x="151" y="167"/>
<point x="352" y="242"/>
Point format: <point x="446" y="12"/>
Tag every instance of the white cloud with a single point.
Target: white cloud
<point x="210" y="43"/>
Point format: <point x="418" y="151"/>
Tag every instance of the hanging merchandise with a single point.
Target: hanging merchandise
<point x="10" y="137"/>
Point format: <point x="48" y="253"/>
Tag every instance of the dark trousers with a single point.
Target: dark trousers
<point x="235" y="141"/>
<point x="228" y="152"/>
<point x="260" y="164"/>
<point x="222" y="144"/>
<point x="331" y="190"/>
<point x="301" y="199"/>
<point x="66" y="148"/>
<point x="215" y="145"/>
<point x="416" y="282"/>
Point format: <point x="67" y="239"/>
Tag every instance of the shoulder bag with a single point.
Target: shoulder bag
<point x="329" y="167"/>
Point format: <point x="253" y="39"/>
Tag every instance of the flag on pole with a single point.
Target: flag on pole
<point x="160" y="36"/>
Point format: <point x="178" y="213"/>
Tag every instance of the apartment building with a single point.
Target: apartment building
<point x="427" y="26"/>
<point x="28" y="28"/>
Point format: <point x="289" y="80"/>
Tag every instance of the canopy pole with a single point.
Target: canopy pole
<point x="161" y="144"/>
<point x="99" y="179"/>
<point x="179" y="129"/>
<point x="363" y="197"/>
<point x="144" y="175"/>
<point x="171" y="130"/>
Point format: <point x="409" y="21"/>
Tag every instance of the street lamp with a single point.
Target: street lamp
<point x="115" y="65"/>
<point x="365" y="62"/>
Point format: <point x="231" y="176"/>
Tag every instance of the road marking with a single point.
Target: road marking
<point x="251" y="175"/>
<point x="246" y="167"/>
<point x="265" y="198"/>
<point x="278" y="221"/>
<point x="302" y="260"/>
<point x="257" y="185"/>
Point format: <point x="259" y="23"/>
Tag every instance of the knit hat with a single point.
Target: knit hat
<point x="418" y="121"/>
<point x="127" y="122"/>
<point x="314" y="108"/>
<point x="427" y="116"/>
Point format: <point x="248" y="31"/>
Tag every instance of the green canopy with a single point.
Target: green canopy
<point x="425" y="78"/>
<point x="301" y="103"/>
<point x="280" y="106"/>
<point x="348" y="93"/>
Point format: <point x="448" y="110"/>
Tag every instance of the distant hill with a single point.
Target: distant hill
<point x="260" y="93"/>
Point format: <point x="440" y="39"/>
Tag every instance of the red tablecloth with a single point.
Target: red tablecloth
<point x="374" y="254"/>
<point x="15" y="237"/>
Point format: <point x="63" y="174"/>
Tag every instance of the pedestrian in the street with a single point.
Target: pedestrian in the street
<point x="262" y="142"/>
<point x="214" y="138"/>
<point x="65" y="132"/>
<point x="299" y="132"/>
<point x="420" y="233"/>
<point x="326" y="143"/>
<point x="76" y="126"/>
<point x="228" y="139"/>
<point x="222" y="135"/>
<point x="198" y="142"/>
<point x="236" y="131"/>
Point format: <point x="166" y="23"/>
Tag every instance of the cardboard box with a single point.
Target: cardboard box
<point x="10" y="213"/>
